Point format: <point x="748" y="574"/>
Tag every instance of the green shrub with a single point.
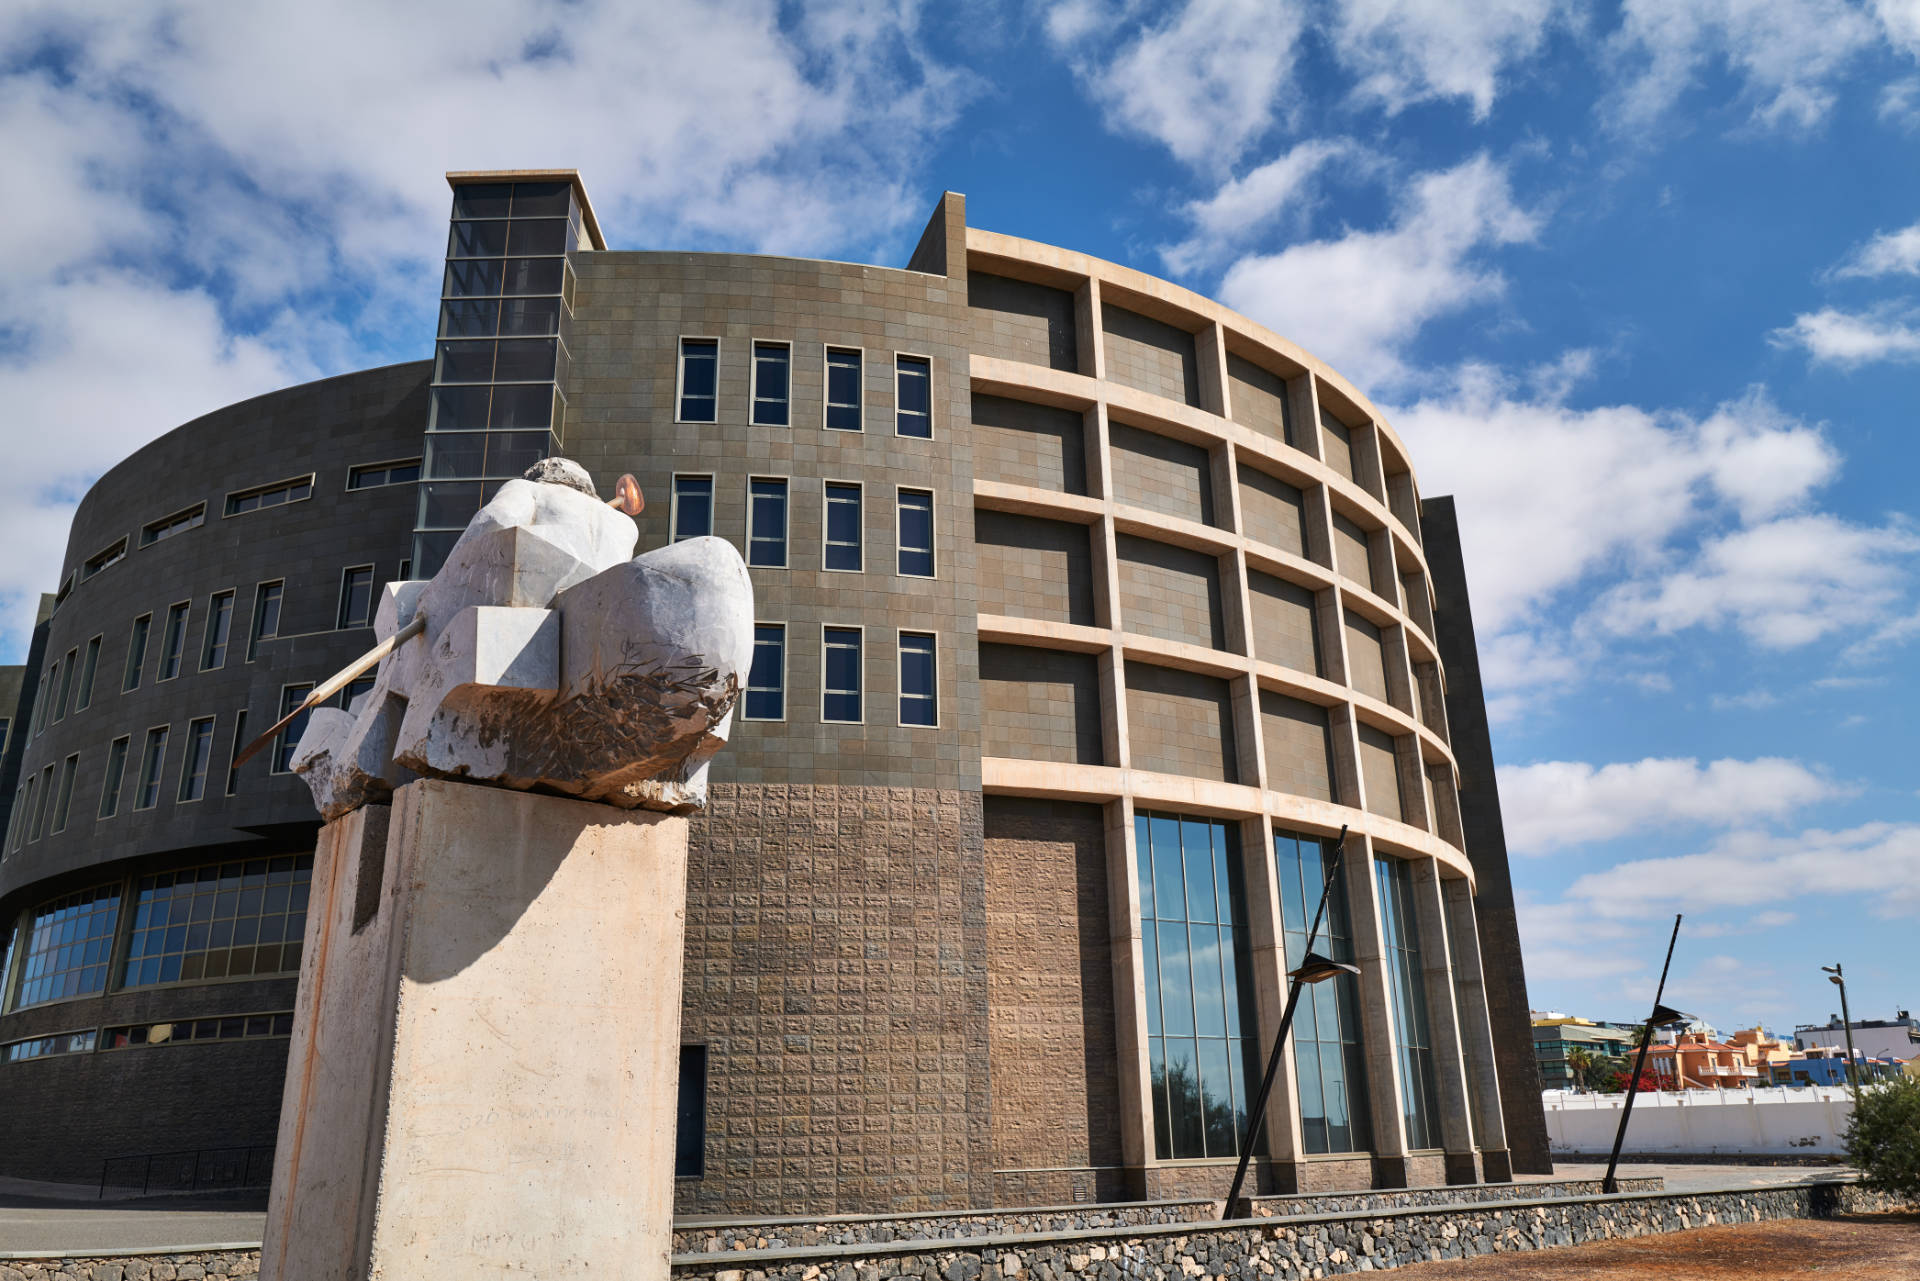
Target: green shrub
<point x="1883" y="1139"/>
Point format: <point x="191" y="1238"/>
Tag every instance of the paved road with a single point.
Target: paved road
<point x="47" y="1217"/>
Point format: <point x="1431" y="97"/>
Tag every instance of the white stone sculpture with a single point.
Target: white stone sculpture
<point x="552" y="660"/>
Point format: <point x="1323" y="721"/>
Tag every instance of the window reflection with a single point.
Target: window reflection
<point x="224" y="920"/>
<point x="1328" y="1068"/>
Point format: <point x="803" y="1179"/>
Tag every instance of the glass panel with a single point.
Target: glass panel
<point x="472" y="278"/>
<point x="521" y="407"/>
<point x="1216" y="1099"/>
<point x="477" y="240"/>
<point x="843" y="550"/>
<point x="538" y="236"/>
<point x="767" y="516"/>
<point x="469" y="317"/>
<point x="843" y="390"/>
<point x="458" y="408"/>
<point x="1197" y="850"/>
<point x="1150" y="960"/>
<point x="532" y="275"/>
<point x="445" y="505"/>
<point x="162" y="951"/>
<point x="699" y="372"/>
<point x="524" y="360"/>
<point x="482" y="200"/>
<point x="766" y="679"/>
<point x="1183" y="1099"/>
<point x="510" y="453"/>
<point x="542" y="199"/>
<point x="692" y="507"/>
<point x="530" y="316"/>
<point x="1162" y="1142"/>
<point x="1176" y="978"/>
<point x="1143" y="866"/>
<point x="1169" y="889"/>
<point x="464" y="362"/>
<point x="770" y="385"/>
<point x="1209" y="1005"/>
<point x="915" y="398"/>
<point x="457" y="455"/>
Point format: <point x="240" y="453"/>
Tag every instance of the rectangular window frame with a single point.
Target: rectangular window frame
<point x="753" y="381"/>
<point x="261" y="491"/>
<point x="63" y="804"/>
<point x="236" y="743"/>
<point x="673" y="511"/>
<point x="155" y="532"/>
<point x="282" y="744"/>
<point x="89" y="672"/>
<point x="150" y="937"/>
<point x="43" y="696"/>
<point x="827" y="405"/>
<point x="65" y="695"/>
<point x="860" y="691"/>
<point x="342" y="621"/>
<point x="99" y="924"/>
<point x="209" y="661"/>
<point x="170" y="651"/>
<point x="104" y="559"/>
<point x="254" y="634"/>
<point x="114" y="777"/>
<point x="786" y="670"/>
<point x="160" y="770"/>
<point x="912" y="356"/>
<point x="680" y="378"/>
<point x="899" y="532"/>
<point x="139" y="637"/>
<point x="786" y="523"/>
<point x="357" y="470"/>
<point x="826" y="525"/>
<point x="42" y="805"/>
<point x="900" y="677"/>
<point x="187" y="775"/>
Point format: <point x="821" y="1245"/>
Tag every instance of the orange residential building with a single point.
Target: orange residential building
<point x="1771" y="1057"/>
<point x="1697" y="1062"/>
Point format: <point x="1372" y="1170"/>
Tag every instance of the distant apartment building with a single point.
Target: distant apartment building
<point x="1556" y="1037"/>
<point x="1894" y="1038"/>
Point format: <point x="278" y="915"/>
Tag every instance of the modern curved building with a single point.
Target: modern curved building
<point x="1091" y="614"/>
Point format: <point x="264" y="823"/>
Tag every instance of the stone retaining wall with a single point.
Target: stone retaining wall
<point x="1298" y="1246"/>
<point x="149" y="1267"/>
<point x="1267" y="1207"/>
<point x="857" y="1229"/>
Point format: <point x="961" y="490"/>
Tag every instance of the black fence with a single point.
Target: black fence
<point x="205" y="1170"/>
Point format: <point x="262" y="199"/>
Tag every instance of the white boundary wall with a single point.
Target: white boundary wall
<point x="1768" y="1121"/>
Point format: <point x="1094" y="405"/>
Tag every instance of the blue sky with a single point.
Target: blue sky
<point x="1639" y="283"/>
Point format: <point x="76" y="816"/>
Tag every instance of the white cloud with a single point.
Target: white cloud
<point x="1361" y="298"/>
<point x="1878" y="860"/>
<point x="1900" y="103"/>
<point x="1850" y="339"/>
<point x="1206" y="82"/>
<point x="1900" y="19"/>
<point x="1753" y="700"/>
<point x="1244" y="206"/>
<point x="1788" y="55"/>
<point x="1891" y="253"/>
<point x="1409" y="51"/>
<point x="1553" y="804"/>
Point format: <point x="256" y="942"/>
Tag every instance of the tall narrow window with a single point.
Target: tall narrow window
<point x="213" y="650"/>
<point x="15" y="822"/>
<point x="41" y="806"/>
<point x="193" y="768"/>
<point x="692" y="507"/>
<point x="916" y="532"/>
<point x="690" y="1128"/>
<point x="840" y="675"/>
<point x="63" y="798"/>
<point x="913" y="395"/>
<point x="6" y="730"/>
<point x="173" y="641"/>
<point x="1405" y="978"/>
<point x="843" y="389"/>
<point x="68" y="667"/>
<point x="358" y="687"/>
<point x="24" y="811"/>
<point x="919" y="703"/>
<point x="116" y="774"/>
<point x="699" y="379"/>
<point x="267" y="599"/>
<point x="356" y="597"/>
<point x="842" y="551"/>
<point x="233" y="753"/>
<point x="136" y="652"/>
<point x="1329" y="1065"/>
<point x="767" y="523"/>
<point x="153" y="759"/>
<point x="88" y="666"/>
<point x="288" y="740"/>
<point x="1199" y="992"/>
<point x="770" y="383"/>
<point x="767" y="678"/>
<point x="69" y="946"/>
<point x="43" y="698"/>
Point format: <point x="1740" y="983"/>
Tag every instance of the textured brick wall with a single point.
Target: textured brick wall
<point x="1272" y="511"/>
<point x="1160" y="474"/>
<point x="1366" y="658"/>
<point x="1298" y="746"/>
<point x="1016" y="443"/>
<point x="1030" y="567"/>
<point x="1054" y="1065"/>
<point x="1378" y="768"/>
<point x="1151" y="356"/>
<point x="1180" y="723"/>
<point x="1283" y="629"/>
<point x="1019" y="320"/>
<point x="837" y="973"/>
<point x="1427" y="693"/>
<point x="1336" y="443"/>
<point x="1170" y="592"/>
<point x="1258" y="399"/>
<point x="1350" y="551"/>
<point x="1039" y="705"/>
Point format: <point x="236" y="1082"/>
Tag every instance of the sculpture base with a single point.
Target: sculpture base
<point x="482" y="1080"/>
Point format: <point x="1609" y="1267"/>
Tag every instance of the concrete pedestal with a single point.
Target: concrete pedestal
<point x="486" y="1044"/>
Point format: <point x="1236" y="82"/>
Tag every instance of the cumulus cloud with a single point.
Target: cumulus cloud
<point x="1244" y="206"/>
<point x="1749" y="869"/>
<point x="1851" y="339"/>
<point x="1553" y="804"/>
<point x="1405" y="53"/>
<point x="1891" y="253"/>
<point x="1366" y="294"/>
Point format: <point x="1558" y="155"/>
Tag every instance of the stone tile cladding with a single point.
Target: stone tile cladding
<point x="629" y="311"/>
<point x="1031" y="567"/>
<point x="1427" y="694"/>
<point x="1017" y="443"/>
<point x="1151" y="356"/>
<point x="1298" y="744"/>
<point x="1259" y="399"/>
<point x="1272" y="511"/>
<point x="1366" y="658"/>
<point x="1020" y="320"/>
<point x="1350" y="552"/>
<point x="1040" y="705"/>
<point x="1161" y="475"/>
<point x="1170" y="592"/>
<point x="1311" y="1245"/>
<point x="1055" y="1066"/>
<point x="1336" y="442"/>
<point x="836" y="970"/>
<point x="1283" y="628"/>
<point x="1180" y="723"/>
<point x="1382" y="776"/>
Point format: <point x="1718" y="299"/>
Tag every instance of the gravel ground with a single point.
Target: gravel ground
<point x="1862" y="1247"/>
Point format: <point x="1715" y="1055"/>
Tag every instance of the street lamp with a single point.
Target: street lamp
<point x="1838" y="978"/>
<point x="1662" y="1017"/>
<point x="1313" y="968"/>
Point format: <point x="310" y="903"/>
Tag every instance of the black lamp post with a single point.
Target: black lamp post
<point x="1839" y="979"/>
<point x="1661" y="1017"/>
<point x="1313" y="968"/>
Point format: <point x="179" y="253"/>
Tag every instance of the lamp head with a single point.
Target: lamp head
<point x="1315" y="968"/>
<point x="1836" y="980"/>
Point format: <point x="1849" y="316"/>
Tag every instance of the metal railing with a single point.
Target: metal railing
<point x="201" y="1170"/>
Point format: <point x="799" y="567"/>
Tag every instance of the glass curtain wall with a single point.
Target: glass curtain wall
<point x="1400" y="936"/>
<point x="1329" y="1067"/>
<point x="1200" y="1012"/>
<point x="506" y="313"/>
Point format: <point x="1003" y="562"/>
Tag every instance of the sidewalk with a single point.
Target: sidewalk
<point x="66" y="1218"/>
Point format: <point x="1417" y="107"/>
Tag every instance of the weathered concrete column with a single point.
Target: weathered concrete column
<point x="1378" y="1039"/>
<point x="482" y="1078"/>
<point x="1129" y="997"/>
<point x="1476" y="1031"/>
<point x="1443" y="1024"/>
<point x="1269" y="950"/>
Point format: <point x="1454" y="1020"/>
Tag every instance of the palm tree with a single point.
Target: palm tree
<point x="1582" y="1061"/>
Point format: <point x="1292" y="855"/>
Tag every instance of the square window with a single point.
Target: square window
<point x="692" y="507"/>
<point x="840" y="675"/>
<point x="699" y="379"/>
<point x="843" y="550"/>
<point x="916" y="532"/>
<point x="767" y="522"/>
<point x="767" y="679"/>
<point x="913" y="396"/>
<point x="356" y="597"/>
<point x="173" y="640"/>
<point x="771" y="363"/>
<point x="843" y="389"/>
